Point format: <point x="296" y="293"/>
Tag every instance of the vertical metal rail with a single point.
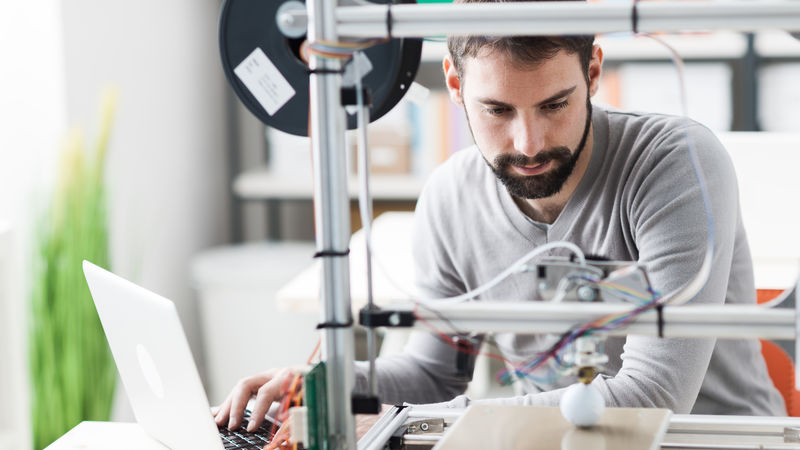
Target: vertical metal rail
<point x="331" y="214"/>
<point x="748" y="87"/>
<point x="234" y="158"/>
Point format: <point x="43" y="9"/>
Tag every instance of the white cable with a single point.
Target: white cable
<point x="517" y="266"/>
<point x="514" y="268"/>
<point x="689" y="290"/>
<point x="365" y="209"/>
<point x="364" y="196"/>
<point x="561" y="290"/>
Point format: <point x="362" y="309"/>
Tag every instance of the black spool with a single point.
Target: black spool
<point x="245" y="25"/>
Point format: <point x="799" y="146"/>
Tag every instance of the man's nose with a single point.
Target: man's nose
<point x="528" y="136"/>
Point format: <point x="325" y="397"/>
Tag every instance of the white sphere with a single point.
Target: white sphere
<point x="582" y="405"/>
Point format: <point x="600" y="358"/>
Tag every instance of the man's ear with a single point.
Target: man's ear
<point x="452" y="81"/>
<point x="595" y="69"/>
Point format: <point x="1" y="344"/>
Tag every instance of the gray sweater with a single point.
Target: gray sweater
<point x="639" y="200"/>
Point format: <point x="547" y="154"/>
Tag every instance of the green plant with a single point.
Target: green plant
<point x="72" y="371"/>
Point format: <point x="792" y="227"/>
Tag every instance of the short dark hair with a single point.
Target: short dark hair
<point x="529" y="50"/>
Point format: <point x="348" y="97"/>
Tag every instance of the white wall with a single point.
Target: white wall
<point x="166" y="167"/>
<point x="32" y="117"/>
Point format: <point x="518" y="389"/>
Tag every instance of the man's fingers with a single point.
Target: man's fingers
<point x="221" y="416"/>
<point x="264" y="397"/>
<point x="281" y="438"/>
<point x="240" y="395"/>
<point x="266" y="394"/>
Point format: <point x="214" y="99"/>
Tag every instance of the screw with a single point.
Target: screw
<point x="587" y="294"/>
<point x="424" y="426"/>
<point x="394" y="319"/>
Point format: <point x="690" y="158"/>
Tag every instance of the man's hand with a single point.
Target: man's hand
<point x="363" y="423"/>
<point x="266" y="387"/>
<point x="281" y="438"/>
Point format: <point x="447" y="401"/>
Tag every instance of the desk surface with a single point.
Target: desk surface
<point x="684" y="430"/>
<point x="105" y="436"/>
<point x="526" y="427"/>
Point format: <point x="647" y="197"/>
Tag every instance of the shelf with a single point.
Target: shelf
<point x="621" y="47"/>
<point x="721" y="45"/>
<point x="262" y="184"/>
<point x="777" y="44"/>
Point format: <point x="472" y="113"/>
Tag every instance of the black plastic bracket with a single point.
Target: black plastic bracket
<point x="395" y="442"/>
<point x="365" y="404"/>
<point x="464" y="358"/>
<point x="376" y="317"/>
<point x="349" y="96"/>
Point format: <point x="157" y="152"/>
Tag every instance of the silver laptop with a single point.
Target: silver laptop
<point x="156" y="366"/>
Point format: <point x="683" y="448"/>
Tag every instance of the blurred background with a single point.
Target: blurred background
<point x="206" y="207"/>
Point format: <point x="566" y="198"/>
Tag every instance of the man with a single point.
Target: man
<point x="549" y="166"/>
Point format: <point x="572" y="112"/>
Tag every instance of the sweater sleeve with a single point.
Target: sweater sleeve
<point x="426" y="371"/>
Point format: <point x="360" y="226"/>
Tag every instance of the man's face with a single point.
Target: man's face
<point x="530" y="123"/>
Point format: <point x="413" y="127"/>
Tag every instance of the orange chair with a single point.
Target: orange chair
<point x="779" y="363"/>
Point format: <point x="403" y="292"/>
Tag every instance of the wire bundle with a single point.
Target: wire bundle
<point x="293" y="394"/>
<point x="606" y="323"/>
<point x="526" y="369"/>
<point x="341" y="50"/>
<point x="622" y="291"/>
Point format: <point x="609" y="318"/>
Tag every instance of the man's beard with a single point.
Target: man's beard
<point x="546" y="184"/>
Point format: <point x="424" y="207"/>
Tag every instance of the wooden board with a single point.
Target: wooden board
<point x="544" y="428"/>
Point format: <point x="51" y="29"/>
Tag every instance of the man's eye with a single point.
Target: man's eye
<point x="495" y="111"/>
<point x="556" y="106"/>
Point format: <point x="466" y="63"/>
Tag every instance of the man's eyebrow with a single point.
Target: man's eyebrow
<point x="560" y="94"/>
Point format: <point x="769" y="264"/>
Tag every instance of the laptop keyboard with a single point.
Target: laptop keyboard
<point x="241" y="439"/>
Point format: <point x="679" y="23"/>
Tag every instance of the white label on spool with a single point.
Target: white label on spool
<point x="264" y="81"/>
<point x="364" y="67"/>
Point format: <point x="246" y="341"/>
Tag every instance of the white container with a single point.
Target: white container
<point x="243" y="331"/>
<point x="6" y="438"/>
<point x="14" y="422"/>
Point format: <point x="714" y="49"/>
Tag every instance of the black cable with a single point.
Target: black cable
<point x="348" y="324"/>
<point x="325" y="71"/>
<point x="635" y="18"/>
<point x="389" y="19"/>
<point x="331" y="253"/>
<point x="660" y="315"/>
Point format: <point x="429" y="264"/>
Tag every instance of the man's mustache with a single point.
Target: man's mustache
<point x="556" y="153"/>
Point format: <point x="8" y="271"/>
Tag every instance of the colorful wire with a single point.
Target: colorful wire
<point x="341" y="50"/>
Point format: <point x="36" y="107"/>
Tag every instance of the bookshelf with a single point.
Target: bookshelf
<point x="261" y="183"/>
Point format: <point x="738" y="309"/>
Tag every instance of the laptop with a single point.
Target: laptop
<point x="157" y="368"/>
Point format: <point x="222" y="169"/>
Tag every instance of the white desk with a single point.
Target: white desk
<point x="684" y="432"/>
<point x="105" y="436"/>
<point x="391" y="244"/>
